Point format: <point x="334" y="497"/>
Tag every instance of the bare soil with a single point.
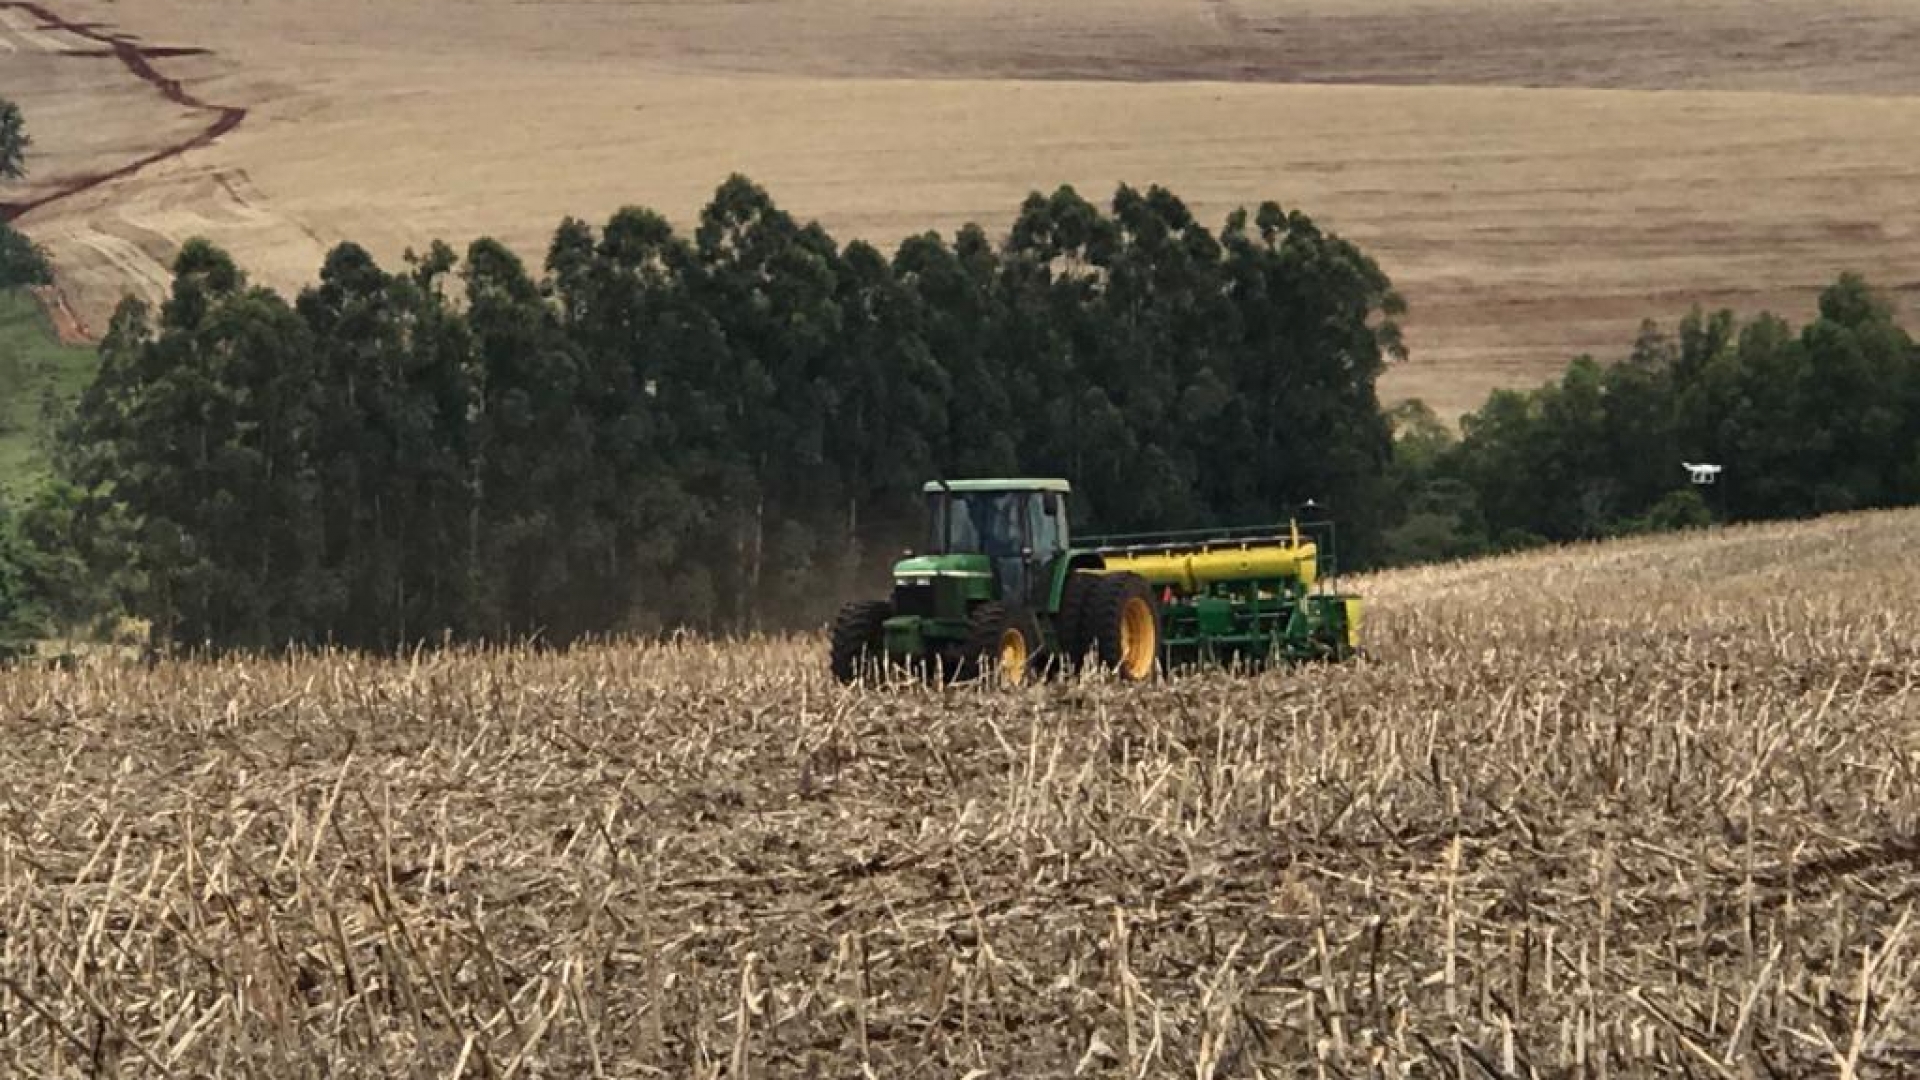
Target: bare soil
<point x="138" y="62"/>
<point x="1537" y="175"/>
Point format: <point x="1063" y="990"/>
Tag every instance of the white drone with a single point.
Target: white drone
<point x="1701" y="474"/>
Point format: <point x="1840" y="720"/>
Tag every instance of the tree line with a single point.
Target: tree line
<point x="727" y="430"/>
<point x="721" y="431"/>
<point x="1820" y="419"/>
<point x="21" y="263"/>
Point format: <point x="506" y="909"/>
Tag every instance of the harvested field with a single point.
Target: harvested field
<point x="1538" y="175"/>
<point x="1643" y="807"/>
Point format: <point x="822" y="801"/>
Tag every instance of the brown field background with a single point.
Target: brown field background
<point x="1642" y="807"/>
<point x="1648" y="807"/>
<point x="1536" y="175"/>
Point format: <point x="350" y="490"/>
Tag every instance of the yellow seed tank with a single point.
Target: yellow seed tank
<point x="1191" y="571"/>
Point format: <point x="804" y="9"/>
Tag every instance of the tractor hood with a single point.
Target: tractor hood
<point x="930" y="566"/>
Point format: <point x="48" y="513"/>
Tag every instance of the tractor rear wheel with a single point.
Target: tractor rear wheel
<point x="859" y="638"/>
<point x="1123" y="626"/>
<point x="997" y="643"/>
<point x="1070" y="625"/>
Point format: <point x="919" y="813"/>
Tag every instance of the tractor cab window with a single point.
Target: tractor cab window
<point x="1047" y="523"/>
<point x="982" y="522"/>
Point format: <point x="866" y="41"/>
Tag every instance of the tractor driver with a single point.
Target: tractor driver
<point x="997" y="521"/>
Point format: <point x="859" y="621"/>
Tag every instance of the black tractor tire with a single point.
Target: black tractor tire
<point x="987" y="628"/>
<point x="1069" y="626"/>
<point x="1122" y="624"/>
<point x="859" y="638"/>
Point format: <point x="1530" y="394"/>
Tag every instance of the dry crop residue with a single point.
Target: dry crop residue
<point x="1634" y="808"/>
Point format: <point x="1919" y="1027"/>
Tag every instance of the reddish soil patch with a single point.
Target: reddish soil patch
<point x="67" y="325"/>
<point x="139" y="61"/>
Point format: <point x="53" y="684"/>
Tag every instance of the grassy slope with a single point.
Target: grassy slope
<point x="33" y="365"/>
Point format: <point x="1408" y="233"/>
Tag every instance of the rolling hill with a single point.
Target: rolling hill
<point x="1537" y="175"/>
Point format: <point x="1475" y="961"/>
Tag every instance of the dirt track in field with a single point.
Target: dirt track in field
<point x="139" y="62"/>
<point x="1536" y="175"/>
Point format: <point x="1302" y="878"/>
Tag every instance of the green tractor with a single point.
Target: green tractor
<point x="1002" y="589"/>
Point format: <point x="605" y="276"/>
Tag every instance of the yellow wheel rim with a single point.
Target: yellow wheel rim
<point x="1013" y="656"/>
<point x="1139" y="639"/>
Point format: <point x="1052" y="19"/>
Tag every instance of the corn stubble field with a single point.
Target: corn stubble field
<point x="1647" y="807"/>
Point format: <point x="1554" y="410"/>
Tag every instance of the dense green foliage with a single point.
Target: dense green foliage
<point x="21" y="263"/>
<point x="20" y="618"/>
<point x="40" y="378"/>
<point x="1823" y="419"/>
<point x="13" y="142"/>
<point x="728" y="430"/>
<point x="720" y="431"/>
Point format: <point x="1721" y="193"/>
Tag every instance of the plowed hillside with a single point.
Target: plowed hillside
<point x="1538" y="175"/>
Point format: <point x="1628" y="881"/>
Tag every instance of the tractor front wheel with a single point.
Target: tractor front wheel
<point x="997" y="643"/>
<point x="1123" y="625"/>
<point x="859" y="638"/>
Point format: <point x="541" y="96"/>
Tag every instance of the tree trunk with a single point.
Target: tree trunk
<point x="758" y="550"/>
<point x="851" y="567"/>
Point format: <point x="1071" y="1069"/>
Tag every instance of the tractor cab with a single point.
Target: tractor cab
<point x="1019" y="527"/>
<point x="980" y="595"/>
